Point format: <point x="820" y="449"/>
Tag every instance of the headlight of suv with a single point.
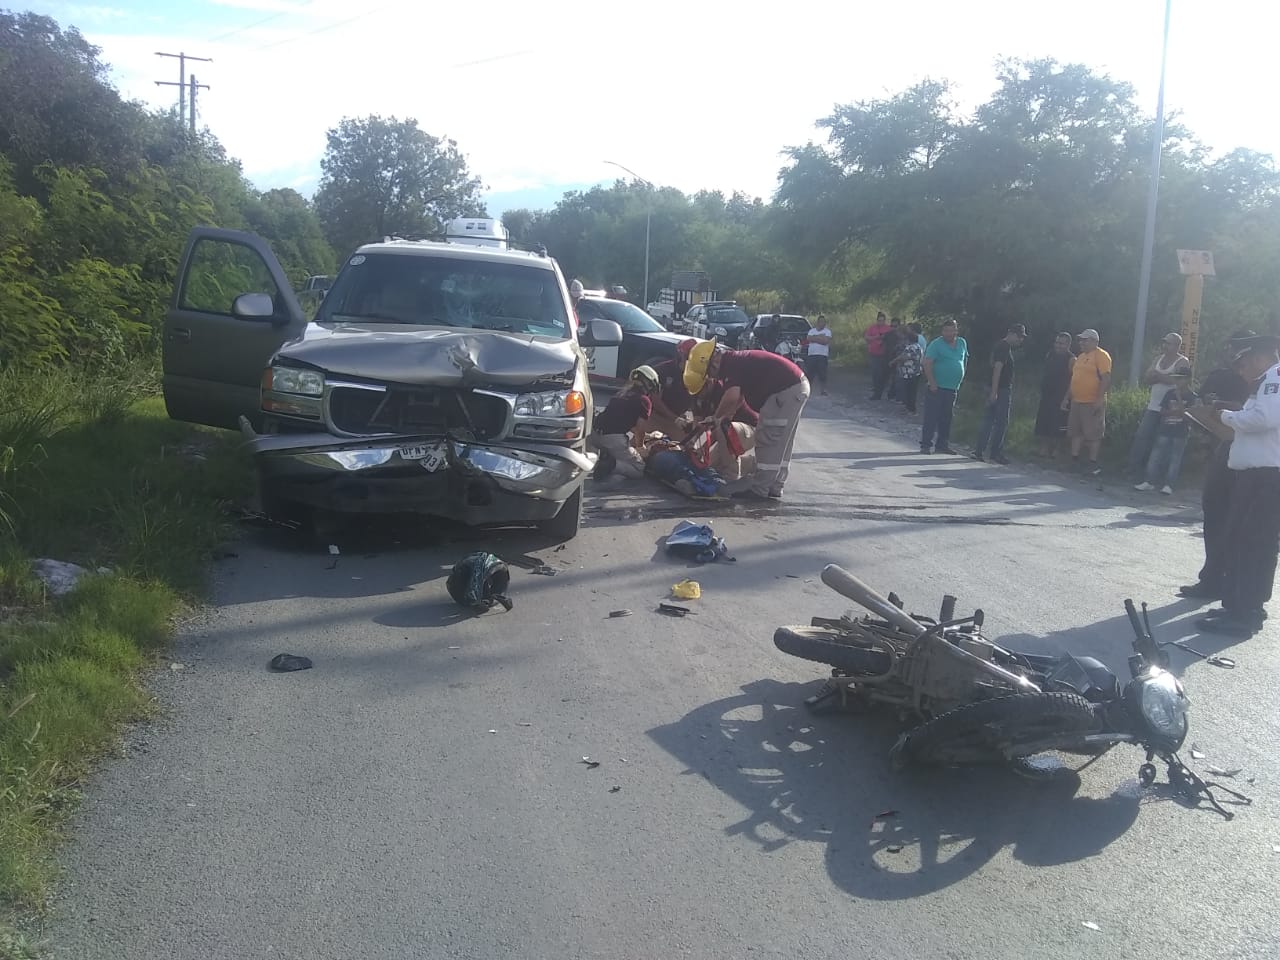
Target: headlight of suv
<point x="721" y="332"/>
<point x="560" y="403"/>
<point x="553" y="417"/>
<point x="292" y="392"/>
<point x="309" y="383"/>
<point x="1164" y="706"/>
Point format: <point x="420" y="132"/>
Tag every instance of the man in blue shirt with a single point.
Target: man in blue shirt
<point x="945" y="360"/>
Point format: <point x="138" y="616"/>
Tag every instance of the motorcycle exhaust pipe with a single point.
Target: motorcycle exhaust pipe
<point x="847" y="585"/>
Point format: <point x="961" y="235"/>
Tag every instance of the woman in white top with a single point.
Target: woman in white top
<point x="1168" y="369"/>
<point x="819" y="355"/>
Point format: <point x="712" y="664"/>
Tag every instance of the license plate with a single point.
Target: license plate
<point x="432" y="456"/>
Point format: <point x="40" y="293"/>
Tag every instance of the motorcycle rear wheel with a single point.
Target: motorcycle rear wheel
<point x="1000" y="729"/>
<point x="841" y="650"/>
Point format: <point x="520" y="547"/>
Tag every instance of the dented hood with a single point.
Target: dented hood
<point x="432" y="356"/>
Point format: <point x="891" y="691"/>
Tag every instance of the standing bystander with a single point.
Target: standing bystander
<point x="995" y="419"/>
<point x="944" y="364"/>
<point x="1086" y="400"/>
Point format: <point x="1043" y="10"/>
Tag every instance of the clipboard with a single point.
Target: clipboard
<point x="1214" y="428"/>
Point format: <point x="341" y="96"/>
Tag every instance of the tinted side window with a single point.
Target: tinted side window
<point x="220" y="271"/>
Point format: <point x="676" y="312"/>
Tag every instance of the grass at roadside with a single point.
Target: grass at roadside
<point x="93" y="475"/>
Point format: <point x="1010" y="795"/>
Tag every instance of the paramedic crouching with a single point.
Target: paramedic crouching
<point x="617" y="431"/>
<point x="771" y="385"/>
<point x="1252" y="531"/>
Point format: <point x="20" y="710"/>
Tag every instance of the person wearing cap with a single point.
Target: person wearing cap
<point x="618" y="429"/>
<point x="1252" y="528"/>
<point x="819" y="352"/>
<point x="772" y="386"/>
<point x="1086" y="399"/>
<point x="1170" y="368"/>
<point x="995" y="419"/>
<point x="1224" y="387"/>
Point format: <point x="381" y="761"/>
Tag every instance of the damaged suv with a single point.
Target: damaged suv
<point x="438" y="378"/>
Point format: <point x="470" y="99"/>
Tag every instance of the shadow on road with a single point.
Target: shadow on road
<point x="888" y="836"/>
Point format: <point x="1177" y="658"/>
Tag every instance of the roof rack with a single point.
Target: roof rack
<point x="538" y="248"/>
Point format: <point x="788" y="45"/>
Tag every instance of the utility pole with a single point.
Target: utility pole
<point x="194" y="87"/>
<point x="182" y="59"/>
<point x="648" y="216"/>
<point x="1138" y="359"/>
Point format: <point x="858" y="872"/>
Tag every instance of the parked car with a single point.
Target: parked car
<point x="644" y="340"/>
<point x="783" y="333"/>
<point x="440" y="378"/>
<point x="722" y="319"/>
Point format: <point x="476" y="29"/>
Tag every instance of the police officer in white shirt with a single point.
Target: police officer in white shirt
<point x="1253" y="521"/>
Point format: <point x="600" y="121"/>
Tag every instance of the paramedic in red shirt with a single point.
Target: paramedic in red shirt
<point x="771" y="385"/>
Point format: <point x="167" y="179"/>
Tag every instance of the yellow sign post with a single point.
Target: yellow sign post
<point x="1195" y="265"/>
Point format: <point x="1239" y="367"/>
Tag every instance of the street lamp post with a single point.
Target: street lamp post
<point x="648" y="217"/>
<point x="1144" y="281"/>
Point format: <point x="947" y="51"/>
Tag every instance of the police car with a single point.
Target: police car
<point x="644" y="340"/>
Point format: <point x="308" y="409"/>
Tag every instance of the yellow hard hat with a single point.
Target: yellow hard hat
<point x="695" y="368"/>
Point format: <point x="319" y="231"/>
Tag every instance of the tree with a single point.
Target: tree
<point x="384" y="176"/>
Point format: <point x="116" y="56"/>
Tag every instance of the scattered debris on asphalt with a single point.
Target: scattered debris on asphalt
<point x="1196" y="754"/>
<point x="262" y="520"/>
<point x="175" y="667"/>
<point x="493" y="731"/>
<point x="521" y="723"/>
<point x="591" y="764"/>
<point x="287" y="662"/>
<point x="696" y="542"/>
<point x="673" y="610"/>
<point x="687" y="590"/>
<point x="886" y="814"/>
<point x="1220" y="772"/>
<point x="894" y="848"/>
<point x="1090" y="925"/>
<point x="615" y="789"/>
<point x="615" y="614"/>
<point x="559" y="548"/>
<point x="533" y="565"/>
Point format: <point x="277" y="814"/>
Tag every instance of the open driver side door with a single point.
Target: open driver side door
<point x="232" y="309"/>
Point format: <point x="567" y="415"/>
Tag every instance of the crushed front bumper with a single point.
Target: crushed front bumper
<point x="477" y="483"/>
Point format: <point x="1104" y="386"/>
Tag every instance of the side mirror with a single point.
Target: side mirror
<point x="600" y="333"/>
<point x="254" y="306"/>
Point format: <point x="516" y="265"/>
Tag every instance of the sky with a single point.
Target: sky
<point x="698" y="94"/>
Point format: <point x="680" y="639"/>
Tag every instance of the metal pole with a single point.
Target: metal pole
<point x="1137" y="361"/>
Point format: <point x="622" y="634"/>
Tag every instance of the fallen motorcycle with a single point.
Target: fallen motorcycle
<point x="975" y="702"/>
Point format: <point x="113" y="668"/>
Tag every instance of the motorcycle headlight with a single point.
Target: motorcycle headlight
<point x="560" y="403"/>
<point x="309" y="383"/>
<point x="1164" y="706"/>
<point x="721" y="331"/>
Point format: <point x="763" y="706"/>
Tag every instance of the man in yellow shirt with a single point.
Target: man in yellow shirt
<point x="1086" y="399"/>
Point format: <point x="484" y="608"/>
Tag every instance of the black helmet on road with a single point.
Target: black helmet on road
<point x="479" y="581"/>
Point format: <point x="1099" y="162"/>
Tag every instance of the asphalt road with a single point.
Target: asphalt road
<point x="420" y="792"/>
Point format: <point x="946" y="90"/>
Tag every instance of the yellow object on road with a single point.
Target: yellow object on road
<point x="687" y="590"/>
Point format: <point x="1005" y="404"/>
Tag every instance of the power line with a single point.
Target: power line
<point x="182" y="59"/>
<point x="258" y="23"/>
<point x="328" y="26"/>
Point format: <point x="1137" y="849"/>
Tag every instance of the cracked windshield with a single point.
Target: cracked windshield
<point x="447" y="292"/>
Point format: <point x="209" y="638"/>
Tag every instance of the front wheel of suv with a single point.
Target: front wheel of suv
<point x="565" y="524"/>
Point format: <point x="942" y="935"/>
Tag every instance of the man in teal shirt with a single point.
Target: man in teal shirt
<point x="944" y="362"/>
